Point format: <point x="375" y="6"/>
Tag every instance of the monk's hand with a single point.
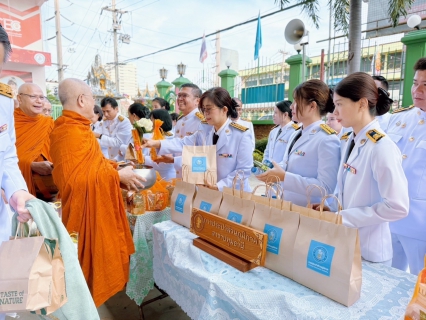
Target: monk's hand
<point x="149" y="143"/>
<point x="130" y="179"/>
<point x="17" y="201"/>
<point x="165" y="159"/>
<point x="43" y="168"/>
<point x="276" y="171"/>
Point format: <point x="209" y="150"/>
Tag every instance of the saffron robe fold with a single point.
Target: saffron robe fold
<point x="92" y="205"/>
<point x="32" y="143"/>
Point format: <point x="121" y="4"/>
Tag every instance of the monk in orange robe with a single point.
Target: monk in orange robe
<point x="32" y="139"/>
<point x="89" y="185"/>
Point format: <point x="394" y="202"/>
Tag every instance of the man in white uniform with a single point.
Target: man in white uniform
<point x="114" y="130"/>
<point x="407" y="128"/>
<point x="243" y="122"/>
<point x="14" y="189"/>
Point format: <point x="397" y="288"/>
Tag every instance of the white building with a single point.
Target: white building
<point x="128" y="78"/>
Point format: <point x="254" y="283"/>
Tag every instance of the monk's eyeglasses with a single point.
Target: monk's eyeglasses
<point x="33" y="97"/>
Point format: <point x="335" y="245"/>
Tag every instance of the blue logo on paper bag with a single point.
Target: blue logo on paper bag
<point x="274" y="238"/>
<point x="320" y="257"/>
<point x="205" y="206"/>
<point x="199" y="164"/>
<point x="236" y="217"/>
<point x="180" y="202"/>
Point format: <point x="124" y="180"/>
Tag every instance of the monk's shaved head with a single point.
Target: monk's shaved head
<point x="75" y="95"/>
<point x="29" y="88"/>
<point x="31" y="99"/>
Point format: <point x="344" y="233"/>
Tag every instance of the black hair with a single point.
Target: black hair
<point x="221" y="98"/>
<point x="420" y="65"/>
<point x="139" y="109"/>
<point x="383" y="82"/>
<point x="107" y="100"/>
<point x="164" y="116"/>
<point x="284" y="106"/>
<point x="361" y="85"/>
<point x="163" y="103"/>
<point x="97" y="110"/>
<point x="4" y="39"/>
<point x="196" y="91"/>
<point x="314" y="90"/>
<point x="174" y="116"/>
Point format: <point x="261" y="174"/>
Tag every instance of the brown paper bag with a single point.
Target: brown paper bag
<point x="327" y="259"/>
<point x="181" y="203"/>
<point x="236" y="209"/>
<point x="281" y="227"/>
<point x="199" y="165"/>
<point x="208" y="200"/>
<point x="26" y="282"/>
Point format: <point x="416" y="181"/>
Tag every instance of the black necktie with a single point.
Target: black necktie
<point x="298" y="135"/>
<point x="215" y="138"/>
<point x="350" y="149"/>
<point x="279" y="132"/>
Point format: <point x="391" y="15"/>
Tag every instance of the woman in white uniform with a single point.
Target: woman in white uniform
<point x="313" y="152"/>
<point x="281" y="133"/>
<point x="233" y="141"/>
<point x="372" y="187"/>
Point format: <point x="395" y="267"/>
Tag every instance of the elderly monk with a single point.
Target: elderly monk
<point x="47" y="108"/>
<point x="89" y="184"/>
<point x="32" y="141"/>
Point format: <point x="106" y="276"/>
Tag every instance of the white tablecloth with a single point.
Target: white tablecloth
<point x="207" y="288"/>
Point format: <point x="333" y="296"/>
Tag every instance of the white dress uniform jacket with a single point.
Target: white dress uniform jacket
<point x="114" y="133"/>
<point x="408" y="130"/>
<point x="10" y="175"/>
<point x="384" y="121"/>
<point x="186" y="126"/>
<point x="233" y="150"/>
<point x="314" y="159"/>
<point x="372" y="189"/>
<point x="166" y="170"/>
<point x="277" y="145"/>
<point x="248" y="124"/>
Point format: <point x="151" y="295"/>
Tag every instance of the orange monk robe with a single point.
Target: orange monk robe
<point x="92" y="205"/>
<point x="32" y="143"/>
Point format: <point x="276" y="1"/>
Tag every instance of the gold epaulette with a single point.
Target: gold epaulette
<point x="276" y="126"/>
<point x="245" y="119"/>
<point x="402" y="109"/>
<point x="180" y="117"/>
<point x="328" y="129"/>
<point x="238" y="126"/>
<point x="295" y="126"/>
<point x="120" y="118"/>
<point x="200" y="116"/>
<point x="374" y="135"/>
<point x="346" y="136"/>
<point x="204" y="121"/>
<point x="168" y="133"/>
<point x="6" y="90"/>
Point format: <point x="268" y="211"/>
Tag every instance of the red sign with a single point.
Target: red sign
<point x="23" y="27"/>
<point x="31" y="57"/>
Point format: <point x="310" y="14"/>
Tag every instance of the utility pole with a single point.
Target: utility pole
<point x="115" y="27"/>
<point x="59" y="41"/>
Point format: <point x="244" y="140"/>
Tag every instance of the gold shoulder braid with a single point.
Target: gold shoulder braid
<point x="327" y="129"/>
<point x="346" y="136"/>
<point x="168" y="133"/>
<point x="276" y="126"/>
<point x="402" y="109"/>
<point x="238" y="126"/>
<point x="6" y="90"/>
<point x="180" y="117"/>
<point x="200" y="116"/>
<point x="204" y="121"/>
<point x="295" y="126"/>
<point x="121" y="118"/>
<point x="374" y="135"/>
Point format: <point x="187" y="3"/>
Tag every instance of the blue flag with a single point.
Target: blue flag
<point x="258" y="43"/>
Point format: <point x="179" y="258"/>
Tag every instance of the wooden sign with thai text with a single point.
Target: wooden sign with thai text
<point x="242" y="241"/>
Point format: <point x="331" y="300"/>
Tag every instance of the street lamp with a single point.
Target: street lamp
<point x="298" y="47"/>
<point x="414" y="22"/>
<point x="163" y="73"/>
<point x="228" y="64"/>
<point x="181" y="69"/>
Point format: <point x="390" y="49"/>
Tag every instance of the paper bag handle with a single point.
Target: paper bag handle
<point x="339" y="207"/>
<point x="185" y="172"/>
<point x="234" y="182"/>
<point x="309" y="190"/>
<point x="209" y="178"/>
<point x="20" y="230"/>
<point x="280" y="190"/>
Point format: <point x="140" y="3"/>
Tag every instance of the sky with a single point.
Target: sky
<point x="157" y="24"/>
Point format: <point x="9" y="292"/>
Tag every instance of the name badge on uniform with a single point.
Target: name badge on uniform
<point x="349" y="168"/>
<point x="3" y="128"/>
<point x="225" y="155"/>
<point x="299" y="153"/>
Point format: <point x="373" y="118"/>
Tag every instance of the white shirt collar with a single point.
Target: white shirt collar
<point x="311" y="126"/>
<point x="223" y="126"/>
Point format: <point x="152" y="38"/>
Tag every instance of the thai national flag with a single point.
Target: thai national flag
<point x="203" y="52"/>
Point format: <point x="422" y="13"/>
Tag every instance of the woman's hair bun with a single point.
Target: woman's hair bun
<point x="329" y="106"/>
<point x="384" y="102"/>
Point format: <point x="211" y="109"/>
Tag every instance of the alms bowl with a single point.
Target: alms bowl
<point x="146" y="172"/>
